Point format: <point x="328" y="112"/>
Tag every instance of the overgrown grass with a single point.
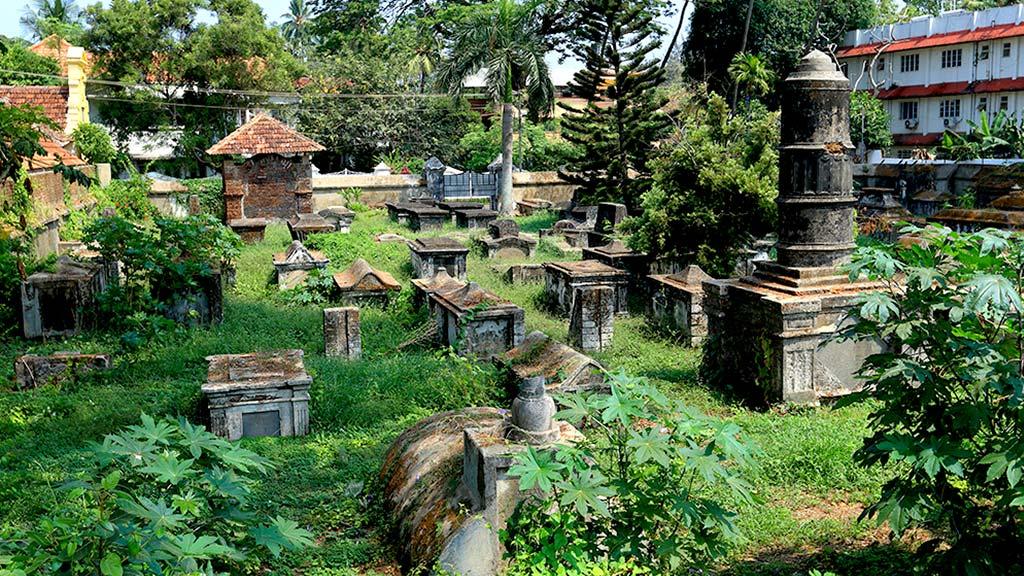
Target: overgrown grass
<point x="811" y="490"/>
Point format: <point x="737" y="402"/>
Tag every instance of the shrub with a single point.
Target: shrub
<point x="210" y="192"/>
<point x="641" y="487"/>
<point x="94" y="145"/>
<point x="949" y="389"/>
<point x="130" y="197"/>
<point x="163" y="497"/>
<point x="534" y="149"/>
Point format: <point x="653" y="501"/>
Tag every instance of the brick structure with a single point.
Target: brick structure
<point x="342" y="337"/>
<point x="592" y="318"/>
<point x="563" y="278"/>
<point x="275" y="179"/>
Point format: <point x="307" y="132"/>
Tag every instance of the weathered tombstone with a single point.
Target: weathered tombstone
<point x="609" y="215"/>
<point x="562" y="279"/>
<point x="423" y="217"/>
<point x="677" y="302"/>
<point x="503" y="228"/>
<point x="528" y="206"/>
<point x="592" y="318"/>
<point x="573" y="233"/>
<point x="564" y="368"/>
<point x="769" y="332"/>
<point x="340" y="217"/>
<point x="250" y="230"/>
<point x="440" y="282"/>
<point x="342" y="336"/>
<point x="261" y="394"/>
<point x="302" y="225"/>
<point x="474" y="218"/>
<point x="32" y="371"/>
<point x="433" y="174"/>
<point x="508" y="247"/>
<point x="524" y="273"/>
<point x="618" y="255"/>
<point x="477" y="322"/>
<point x="61" y="303"/>
<point x="294" y="265"/>
<point x="195" y="208"/>
<point x="399" y="211"/>
<point x="429" y="255"/>
<point x="361" y="283"/>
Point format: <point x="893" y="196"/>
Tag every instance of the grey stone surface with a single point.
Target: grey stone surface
<point x="294" y="265"/>
<point x="61" y="303"/>
<point x="512" y="247"/>
<point x="503" y="228"/>
<point x="441" y="282"/>
<point x="562" y="279"/>
<point x="431" y="255"/>
<point x="32" y="371"/>
<point x="592" y="318"/>
<point x="302" y="225"/>
<point x="474" y="218"/>
<point x="677" y="302"/>
<point x="533" y="413"/>
<point x="476" y="322"/>
<point x="342" y="335"/>
<point x="563" y="368"/>
<point x="340" y="217"/>
<point x="524" y="273"/>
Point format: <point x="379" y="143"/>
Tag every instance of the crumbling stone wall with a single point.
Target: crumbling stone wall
<point x="591" y="321"/>
<point x="268" y="186"/>
<point x="342" y="337"/>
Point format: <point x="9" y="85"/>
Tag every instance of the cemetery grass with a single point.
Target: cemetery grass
<point x="811" y="493"/>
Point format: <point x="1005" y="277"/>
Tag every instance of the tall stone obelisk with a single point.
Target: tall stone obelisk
<point x="784" y="313"/>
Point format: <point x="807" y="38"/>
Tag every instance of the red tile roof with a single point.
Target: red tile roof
<point x="947" y="39"/>
<point x="953" y="88"/>
<point x="56" y="48"/>
<point x="264" y="135"/>
<point x="919" y="140"/>
<point x="53" y="100"/>
<point x="54" y="155"/>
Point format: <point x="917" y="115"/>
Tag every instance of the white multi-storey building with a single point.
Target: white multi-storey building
<point x="935" y="73"/>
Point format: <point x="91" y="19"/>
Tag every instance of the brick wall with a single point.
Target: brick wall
<point x="49" y="205"/>
<point x="268" y="186"/>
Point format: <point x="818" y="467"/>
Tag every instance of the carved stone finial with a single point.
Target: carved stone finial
<point x="533" y="413"/>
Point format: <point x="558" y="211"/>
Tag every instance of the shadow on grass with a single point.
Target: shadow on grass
<point x="876" y="559"/>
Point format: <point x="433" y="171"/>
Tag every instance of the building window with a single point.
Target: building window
<point x="982" y="104"/>
<point x="952" y="58"/>
<point x="983" y="52"/>
<point x="1004" y="102"/>
<point x="1006" y="49"/>
<point x="908" y="110"/>
<point x="910" y="62"/>
<point x="881" y="64"/>
<point x="949" y="109"/>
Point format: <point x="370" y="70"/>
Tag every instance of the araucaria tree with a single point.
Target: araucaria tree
<point x="622" y="120"/>
<point x="503" y="39"/>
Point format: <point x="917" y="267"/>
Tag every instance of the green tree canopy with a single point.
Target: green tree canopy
<point x="869" y="121"/>
<point x="17" y="58"/>
<point x="45" y="17"/>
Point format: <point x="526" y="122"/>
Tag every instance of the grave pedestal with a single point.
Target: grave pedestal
<point x="618" y="255"/>
<point x="425" y="288"/>
<point x="478" y="323"/>
<point x="431" y="255"/>
<point x="302" y="225"/>
<point x="562" y="279"/>
<point x="524" y="273"/>
<point x="61" y="303"/>
<point x="677" y="302"/>
<point x="564" y="368"/>
<point x="424" y="217"/>
<point x="261" y="394"/>
<point x="592" y="318"/>
<point x="294" y="265"/>
<point x="340" y="217"/>
<point x="361" y="283"/>
<point x="342" y="336"/>
<point x="250" y="230"/>
<point x="474" y="218"/>
<point x="32" y="371"/>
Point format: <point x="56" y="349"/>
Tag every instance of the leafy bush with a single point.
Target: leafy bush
<point x="534" y="150"/>
<point x="869" y="121"/>
<point x="94" y="145"/>
<point x="950" y="392"/>
<point x="130" y="197"/>
<point x="17" y="58"/>
<point x="210" y="192"/>
<point x="642" y="486"/>
<point x="163" y="497"/>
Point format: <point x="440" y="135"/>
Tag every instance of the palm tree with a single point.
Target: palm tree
<point x="505" y="41"/>
<point x="49" y="12"/>
<point x="751" y="72"/>
<point x="295" y="27"/>
<point x="425" y="55"/>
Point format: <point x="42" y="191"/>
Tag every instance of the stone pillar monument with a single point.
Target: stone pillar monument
<point x="785" y="312"/>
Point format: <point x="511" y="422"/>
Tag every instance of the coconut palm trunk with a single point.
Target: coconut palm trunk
<point x="506" y="201"/>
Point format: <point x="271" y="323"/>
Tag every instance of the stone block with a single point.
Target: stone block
<point x="250" y="230"/>
<point x="511" y="247"/>
<point x="294" y="265"/>
<point x="302" y="225"/>
<point x="562" y="278"/>
<point x="592" y="318"/>
<point x="61" y="303"/>
<point x="431" y="255"/>
<point x="478" y="323"/>
<point x="564" y="368"/>
<point x="524" y="273"/>
<point x="342" y="336"/>
<point x="32" y="371"/>
<point x="474" y="218"/>
<point x="340" y="217"/>
<point x="503" y="228"/>
<point x="677" y="303"/>
<point x="609" y="216"/>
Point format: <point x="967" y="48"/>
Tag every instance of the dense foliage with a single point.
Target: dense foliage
<point x="995" y="136"/>
<point x="715" y="183"/>
<point x="869" y="121"/>
<point x="15" y="58"/>
<point x="93" y="144"/>
<point x="949" y="392"/>
<point x="534" y="149"/>
<point x="644" y="485"/>
<point x="162" y="497"/>
<point x="621" y="121"/>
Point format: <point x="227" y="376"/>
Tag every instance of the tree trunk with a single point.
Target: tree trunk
<point x="506" y="202"/>
<point x="679" y="28"/>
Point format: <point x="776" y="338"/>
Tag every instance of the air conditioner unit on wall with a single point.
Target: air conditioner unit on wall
<point x="910" y="124"/>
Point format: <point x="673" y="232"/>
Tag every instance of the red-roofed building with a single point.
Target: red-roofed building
<point x="273" y="180"/>
<point x="936" y="73"/>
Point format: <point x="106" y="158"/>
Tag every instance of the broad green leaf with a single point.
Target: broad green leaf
<point x="111" y="565"/>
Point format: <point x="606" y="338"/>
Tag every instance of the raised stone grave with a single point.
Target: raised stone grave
<point x="441" y="282"/>
<point x="294" y="265"/>
<point x="451" y="206"/>
<point x="32" y="371"/>
<point x="562" y="279"/>
<point x="202" y="307"/>
<point x="302" y="225"/>
<point x="618" y="255"/>
<point x="1005" y="212"/>
<point x="524" y="273"/>
<point x="61" y="303"/>
<point x="574" y="234"/>
<point x="399" y="211"/>
<point x="474" y="218"/>
<point x="250" y="230"/>
<point x="429" y="255"/>
<point x="424" y="217"/>
<point x="342" y="336"/>
<point x="528" y="206"/>
<point x="502" y="228"/>
<point x="509" y="247"/>
<point x="260" y="394"/>
<point x="677" y="302"/>
<point x="769" y="333"/>
<point x="476" y="322"/>
<point x="592" y="318"/>
<point x="361" y="283"/>
<point x="564" y="368"/>
<point x="340" y="217"/>
<point x="585" y="216"/>
<point x="609" y="216"/>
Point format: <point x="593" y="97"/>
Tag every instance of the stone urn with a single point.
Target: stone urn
<point x="533" y="413"/>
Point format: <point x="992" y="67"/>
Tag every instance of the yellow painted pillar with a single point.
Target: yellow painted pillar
<point x="78" y="104"/>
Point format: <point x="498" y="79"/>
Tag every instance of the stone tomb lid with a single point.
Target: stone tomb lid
<point x="437" y="244"/>
<point x="297" y="254"/>
<point x="248" y="223"/>
<point x="614" y="248"/>
<point x="422" y="209"/>
<point x="690" y="279"/>
<point x="337" y="211"/>
<point x="564" y="367"/>
<point x="440" y="283"/>
<point x="584" y="268"/>
<point x="460" y="205"/>
<point x="470" y="297"/>
<point x="238" y="372"/>
<point x="475" y="212"/>
<point x="1014" y="201"/>
<point x="67" y="269"/>
<point x="361" y="277"/>
<point x="313" y="222"/>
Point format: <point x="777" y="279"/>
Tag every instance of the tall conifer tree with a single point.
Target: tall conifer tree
<point x="622" y="119"/>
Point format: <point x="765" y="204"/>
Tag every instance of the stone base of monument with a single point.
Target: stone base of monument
<point x="769" y="334"/>
<point x="429" y="255"/>
<point x="677" y="303"/>
<point x="519" y="246"/>
<point x="340" y="217"/>
<point x="563" y="278"/>
<point x="32" y="371"/>
<point x="476" y="322"/>
<point x="261" y="394"/>
<point x="524" y="274"/>
<point x="473" y="219"/>
<point x="249" y="229"/>
<point x="61" y="303"/>
<point x="424" y="288"/>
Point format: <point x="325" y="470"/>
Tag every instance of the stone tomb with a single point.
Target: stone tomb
<point x="260" y="394"/>
<point x="342" y="336"/>
<point x="423" y="217"/>
<point x="61" y="303"/>
<point x="769" y="333"/>
<point x="574" y="234"/>
<point x="398" y="212"/>
<point x="451" y="206"/>
<point x="592" y="318"/>
<point x="250" y="230"/>
<point x="33" y="371"/>
<point x="524" y="273"/>
<point x="528" y="206"/>
<point x="302" y="225"/>
<point x="504" y="241"/>
<point x="340" y="217"/>
<point x="361" y="283"/>
<point x="424" y="288"/>
<point x="618" y="255"/>
<point x="566" y="369"/>
<point x="562" y="279"/>
<point x="294" y="265"/>
<point x="471" y="218"/>
<point x="430" y="255"/>
<point x="677" y="303"/>
<point x="476" y="322"/>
